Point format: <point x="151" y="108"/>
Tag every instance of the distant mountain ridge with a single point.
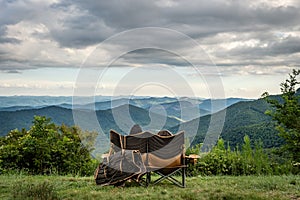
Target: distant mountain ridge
<point x="192" y="107"/>
<point x="150" y="112"/>
<point x="106" y="118"/>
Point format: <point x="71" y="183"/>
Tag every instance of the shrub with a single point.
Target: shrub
<point x="45" y="149"/>
<point x="247" y="161"/>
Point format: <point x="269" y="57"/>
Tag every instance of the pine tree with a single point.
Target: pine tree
<point x="287" y="114"/>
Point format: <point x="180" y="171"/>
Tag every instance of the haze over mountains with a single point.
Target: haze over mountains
<point x="243" y="116"/>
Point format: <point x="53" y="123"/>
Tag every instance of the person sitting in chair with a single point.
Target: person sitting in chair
<point x="135" y="129"/>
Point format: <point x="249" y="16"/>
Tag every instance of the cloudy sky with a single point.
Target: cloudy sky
<point x="212" y="48"/>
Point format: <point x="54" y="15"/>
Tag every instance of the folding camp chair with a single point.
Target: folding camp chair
<point x="166" y="157"/>
<point x="163" y="153"/>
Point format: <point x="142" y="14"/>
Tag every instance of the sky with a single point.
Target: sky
<point x="208" y="49"/>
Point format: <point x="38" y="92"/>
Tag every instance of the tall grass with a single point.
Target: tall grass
<point x="28" y="190"/>
<point x="202" y="187"/>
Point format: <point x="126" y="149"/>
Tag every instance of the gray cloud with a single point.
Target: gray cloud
<point x="78" y="24"/>
<point x="4" y="39"/>
<point x="13" y="72"/>
<point x="81" y="30"/>
<point x="154" y="56"/>
<point x="8" y="40"/>
<point x="195" y="18"/>
<point x="273" y="48"/>
<point x="137" y="13"/>
<point x="289" y="45"/>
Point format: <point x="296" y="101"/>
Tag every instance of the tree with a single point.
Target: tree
<point x="46" y="148"/>
<point x="286" y="113"/>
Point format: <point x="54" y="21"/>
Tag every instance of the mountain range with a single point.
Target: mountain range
<point x="198" y="117"/>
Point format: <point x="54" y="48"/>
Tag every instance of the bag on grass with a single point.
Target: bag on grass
<point x="119" y="167"/>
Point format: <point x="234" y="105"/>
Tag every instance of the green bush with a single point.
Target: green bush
<point x="247" y="161"/>
<point x="46" y="149"/>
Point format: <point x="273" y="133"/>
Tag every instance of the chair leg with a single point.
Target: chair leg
<point x="148" y="178"/>
<point x="170" y="178"/>
<point x="183" y="174"/>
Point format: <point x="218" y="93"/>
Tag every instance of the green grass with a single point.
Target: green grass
<point x="213" y="187"/>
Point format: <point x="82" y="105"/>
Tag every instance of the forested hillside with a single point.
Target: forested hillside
<point x="23" y="119"/>
<point x="242" y="118"/>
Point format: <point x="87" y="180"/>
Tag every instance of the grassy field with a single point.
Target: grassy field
<point x="214" y="187"/>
